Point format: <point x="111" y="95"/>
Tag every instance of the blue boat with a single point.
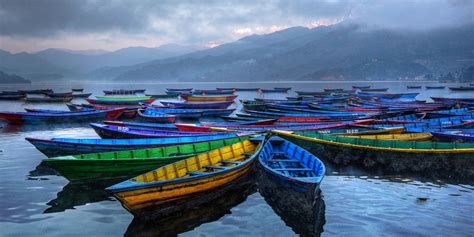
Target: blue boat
<point x="120" y="132"/>
<point x="292" y="166"/>
<point x="454" y="136"/>
<point x="72" y="146"/>
<point x="193" y="113"/>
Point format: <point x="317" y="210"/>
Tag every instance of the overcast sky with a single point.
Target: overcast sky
<point x="32" y="25"/>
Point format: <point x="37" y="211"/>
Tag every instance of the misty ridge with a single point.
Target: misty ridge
<point x="344" y="51"/>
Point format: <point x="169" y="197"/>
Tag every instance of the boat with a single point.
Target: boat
<point x="150" y="115"/>
<point x="282" y="88"/>
<point x="180" y="90"/>
<point x="80" y="116"/>
<point x="360" y="87"/>
<point x="130" y="111"/>
<point x="197" y="105"/>
<point x="47" y="99"/>
<point x="151" y="195"/>
<point x="293" y="167"/>
<point x="413" y="87"/>
<point x="81" y="95"/>
<point x="374" y="89"/>
<point x="458" y="136"/>
<point x="454" y="100"/>
<point x="189" y="97"/>
<point x="161" y="126"/>
<point x="123" y="92"/>
<point x="36" y="91"/>
<point x="462" y="88"/>
<point x="73" y="146"/>
<point x="13" y="93"/>
<point x="117" y="166"/>
<point x="275" y="90"/>
<point x="435" y="87"/>
<point x="254" y="105"/>
<point x="389" y="95"/>
<point x="313" y="93"/>
<point x="334" y="90"/>
<point x="120" y="132"/>
<point x="162" y="96"/>
<point x="128" y="102"/>
<point x="77" y="89"/>
<point x="213" y="92"/>
<point x="11" y="97"/>
<point x="59" y="94"/>
<point x="193" y="113"/>
<point x="122" y="98"/>
<point x="423" y="136"/>
<point x="391" y="156"/>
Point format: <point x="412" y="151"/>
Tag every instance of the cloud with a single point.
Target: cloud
<point x="120" y="23"/>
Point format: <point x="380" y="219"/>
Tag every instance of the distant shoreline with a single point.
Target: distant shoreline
<point x="215" y="82"/>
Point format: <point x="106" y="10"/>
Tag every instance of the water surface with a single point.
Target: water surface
<point x="357" y="203"/>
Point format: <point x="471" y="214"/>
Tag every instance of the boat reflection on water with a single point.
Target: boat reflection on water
<point x="40" y="171"/>
<point x="181" y="222"/>
<point x="305" y="217"/>
<point x="74" y="195"/>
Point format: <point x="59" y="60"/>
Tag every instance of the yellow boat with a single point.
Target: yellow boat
<point x="201" y="98"/>
<point x="192" y="181"/>
<point x="424" y="136"/>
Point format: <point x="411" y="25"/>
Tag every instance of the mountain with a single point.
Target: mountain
<point x="29" y="66"/>
<point x="53" y="64"/>
<point x="12" y="79"/>
<point x="81" y="63"/>
<point x="344" y="51"/>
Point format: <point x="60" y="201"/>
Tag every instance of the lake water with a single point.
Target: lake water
<point x="35" y="201"/>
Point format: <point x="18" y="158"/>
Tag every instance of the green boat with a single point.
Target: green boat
<point x="453" y="161"/>
<point x="113" y="167"/>
<point x="123" y="98"/>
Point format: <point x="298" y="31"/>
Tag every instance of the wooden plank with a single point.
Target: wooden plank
<point x="196" y="173"/>
<point x="230" y="162"/>
<point x="286" y="161"/>
<point x="294" y="169"/>
<point x="214" y="167"/>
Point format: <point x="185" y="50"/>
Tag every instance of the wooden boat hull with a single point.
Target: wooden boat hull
<point x="63" y="147"/>
<point x="47" y="99"/>
<point x="454" y="137"/>
<point x="120" y="132"/>
<point x="188" y="97"/>
<point x="144" y="197"/>
<point x="163" y="118"/>
<point x="119" y="166"/>
<point x="451" y="164"/>
<point x="462" y="88"/>
<point x="197" y="105"/>
<point x="221" y="186"/>
<point x="38" y="118"/>
<point x="119" y="102"/>
<point x="11" y="97"/>
<point x="81" y="95"/>
<point x="61" y="95"/>
<point x="305" y="184"/>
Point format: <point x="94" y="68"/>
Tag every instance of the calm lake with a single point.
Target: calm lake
<point x="35" y="201"/>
